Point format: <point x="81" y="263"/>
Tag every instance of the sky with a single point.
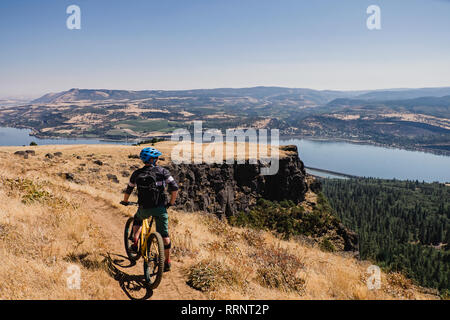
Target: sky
<point x="186" y="44"/>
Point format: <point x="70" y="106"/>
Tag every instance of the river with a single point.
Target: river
<point x="20" y="137"/>
<point x="372" y="161"/>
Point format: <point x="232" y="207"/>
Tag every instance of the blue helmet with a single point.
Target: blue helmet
<point x="149" y="153"/>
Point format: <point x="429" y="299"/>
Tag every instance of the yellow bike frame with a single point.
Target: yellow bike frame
<point x="145" y="232"/>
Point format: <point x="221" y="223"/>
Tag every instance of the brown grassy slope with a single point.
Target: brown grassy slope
<point x="48" y="223"/>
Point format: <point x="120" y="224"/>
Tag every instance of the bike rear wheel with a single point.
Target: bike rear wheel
<point x="128" y="233"/>
<point x="154" y="261"/>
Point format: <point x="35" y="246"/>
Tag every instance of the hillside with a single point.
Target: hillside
<point x="59" y="206"/>
<point x="317" y="96"/>
<point x="278" y="93"/>
<point x="116" y="114"/>
<point x="399" y="94"/>
<point x="431" y="106"/>
<point x="417" y="124"/>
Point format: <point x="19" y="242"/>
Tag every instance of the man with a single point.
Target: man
<point x="151" y="181"/>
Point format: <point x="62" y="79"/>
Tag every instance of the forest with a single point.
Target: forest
<point x="402" y="225"/>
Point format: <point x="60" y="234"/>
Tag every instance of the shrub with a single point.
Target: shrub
<point x="278" y="269"/>
<point x="445" y="294"/>
<point x="281" y="217"/>
<point x="287" y="218"/>
<point x="182" y="244"/>
<point x="208" y="275"/>
<point x="32" y="192"/>
<point x="327" y="245"/>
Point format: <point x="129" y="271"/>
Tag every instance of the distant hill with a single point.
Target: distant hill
<point x="309" y="95"/>
<point x="73" y="95"/>
<point x="435" y="106"/>
<point x="399" y="94"/>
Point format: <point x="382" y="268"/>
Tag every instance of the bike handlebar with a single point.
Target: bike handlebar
<point x="129" y="203"/>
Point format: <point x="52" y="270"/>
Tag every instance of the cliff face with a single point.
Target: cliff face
<point x="226" y="189"/>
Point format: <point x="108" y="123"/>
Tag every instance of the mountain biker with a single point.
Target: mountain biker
<point x="151" y="181"/>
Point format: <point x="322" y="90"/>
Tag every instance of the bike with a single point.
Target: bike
<point x="150" y="248"/>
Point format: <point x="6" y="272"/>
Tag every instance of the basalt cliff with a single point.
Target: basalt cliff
<point x="229" y="189"/>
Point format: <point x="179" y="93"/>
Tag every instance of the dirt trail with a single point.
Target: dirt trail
<point x="130" y="279"/>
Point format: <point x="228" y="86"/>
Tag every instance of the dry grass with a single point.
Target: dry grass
<point x="48" y="223"/>
<point x="36" y="244"/>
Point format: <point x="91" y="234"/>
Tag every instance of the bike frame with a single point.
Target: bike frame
<point x="145" y="232"/>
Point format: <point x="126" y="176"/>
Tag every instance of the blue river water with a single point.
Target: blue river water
<point x="373" y="161"/>
<point x="20" y="137"/>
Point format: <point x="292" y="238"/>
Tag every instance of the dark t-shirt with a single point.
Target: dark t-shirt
<point x="163" y="179"/>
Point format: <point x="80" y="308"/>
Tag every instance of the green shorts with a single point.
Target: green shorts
<point x="161" y="218"/>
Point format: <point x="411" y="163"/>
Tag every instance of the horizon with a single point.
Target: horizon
<point x="211" y="44"/>
<point x="217" y="88"/>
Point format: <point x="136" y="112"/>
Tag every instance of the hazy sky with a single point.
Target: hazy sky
<point x="168" y="44"/>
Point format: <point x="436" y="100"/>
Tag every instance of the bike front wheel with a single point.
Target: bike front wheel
<point x="154" y="260"/>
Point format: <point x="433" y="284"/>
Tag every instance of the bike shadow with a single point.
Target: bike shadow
<point x="131" y="285"/>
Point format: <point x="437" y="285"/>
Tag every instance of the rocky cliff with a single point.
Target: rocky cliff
<point x="227" y="189"/>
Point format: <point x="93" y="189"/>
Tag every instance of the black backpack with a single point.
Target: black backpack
<point x="150" y="195"/>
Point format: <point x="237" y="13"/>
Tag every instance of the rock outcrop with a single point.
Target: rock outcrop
<point x="226" y="189"/>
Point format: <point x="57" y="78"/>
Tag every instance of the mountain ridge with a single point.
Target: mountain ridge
<point x="319" y="96"/>
<point x="76" y="94"/>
